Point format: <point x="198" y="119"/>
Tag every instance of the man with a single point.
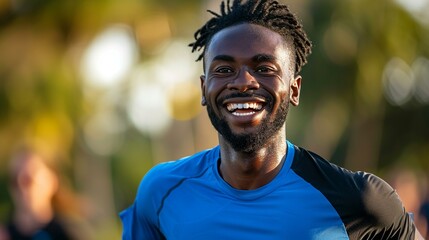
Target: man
<point x="256" y="184"/>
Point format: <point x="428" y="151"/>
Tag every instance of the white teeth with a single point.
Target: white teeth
<point x="234" y="106"/>
<point x="243" y="114"/>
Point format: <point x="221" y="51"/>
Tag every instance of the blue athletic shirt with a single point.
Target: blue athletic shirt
<point x="309" y="198"/>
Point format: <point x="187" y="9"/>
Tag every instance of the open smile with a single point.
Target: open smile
<point x="244" y="108"/>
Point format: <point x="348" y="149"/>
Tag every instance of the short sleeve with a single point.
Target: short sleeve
<point x="134" y="227"/>
<point x="140" y="221"/>
<point x="383" y="204"/>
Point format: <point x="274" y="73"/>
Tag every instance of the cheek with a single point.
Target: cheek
<point x="213" y="89"/>
<point x="278" y="89"/>
<point x="282" y="98"/>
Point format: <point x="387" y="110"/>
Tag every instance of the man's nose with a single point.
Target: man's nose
<point x="244" y="81"/>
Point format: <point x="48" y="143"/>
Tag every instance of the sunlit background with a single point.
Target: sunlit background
<point x="109" y="88"/>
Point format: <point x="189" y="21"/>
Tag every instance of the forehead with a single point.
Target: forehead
<point x="246" y="41"/>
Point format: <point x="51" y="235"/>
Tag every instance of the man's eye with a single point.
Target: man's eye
<point x="265" y="70"/>
<point x="224" y="70"/>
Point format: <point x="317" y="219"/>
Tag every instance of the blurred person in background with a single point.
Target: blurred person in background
<point x="44" y="208"/>
<point x="256" y="184"/>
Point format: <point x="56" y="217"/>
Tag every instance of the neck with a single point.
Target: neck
<point x="251" y="170"/>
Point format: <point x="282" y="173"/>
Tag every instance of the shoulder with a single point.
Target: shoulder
<point x="141" y="216"/>
<point x="360" y="188"/>
<point x="364" y="201"/>
<point x="164" y="176"/>
<point x="185" y="167"/>
<point x="323" y="174"/>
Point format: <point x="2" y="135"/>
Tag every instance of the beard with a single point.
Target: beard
<point x="250" y="142"/>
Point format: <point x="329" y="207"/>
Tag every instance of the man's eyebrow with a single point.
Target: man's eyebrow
<point x="223" y="58"/>
<point x="257" y="58"/>
<point x="264" y="58"/>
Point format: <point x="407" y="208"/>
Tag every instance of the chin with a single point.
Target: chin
<point x="250" y="141"/>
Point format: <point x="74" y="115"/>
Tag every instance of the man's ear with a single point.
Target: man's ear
<point x="295" y="89"/>
<point x="203" y="90"/>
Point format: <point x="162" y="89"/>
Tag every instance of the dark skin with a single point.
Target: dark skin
<point x="250" y="58"/>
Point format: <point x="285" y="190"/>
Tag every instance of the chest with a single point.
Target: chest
<point x="294" y="210"/>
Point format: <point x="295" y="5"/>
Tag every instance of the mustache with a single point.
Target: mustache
<point x="243" y="95"/>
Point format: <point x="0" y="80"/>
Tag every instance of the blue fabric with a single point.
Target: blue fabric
<point x="187" y="199"/>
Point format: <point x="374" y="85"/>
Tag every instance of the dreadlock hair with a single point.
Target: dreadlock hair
<point x="267" y="13"/>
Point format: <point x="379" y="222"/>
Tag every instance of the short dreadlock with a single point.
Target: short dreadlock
<point x="267" y="13"/>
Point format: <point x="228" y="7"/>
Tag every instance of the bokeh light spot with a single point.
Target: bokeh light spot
<point x="398" y="82"/>
<point x="110" y="57"/>
<point x="148" y="108"/>
<point x="421" y="73"/>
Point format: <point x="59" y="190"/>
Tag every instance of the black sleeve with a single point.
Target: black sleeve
<point x="383" y="209"/>
<point x="367" y="205"/>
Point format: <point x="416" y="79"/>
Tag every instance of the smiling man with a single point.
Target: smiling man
<point x="256" y="184"/>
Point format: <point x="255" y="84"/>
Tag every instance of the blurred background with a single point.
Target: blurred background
<point x="102" y="90"/>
